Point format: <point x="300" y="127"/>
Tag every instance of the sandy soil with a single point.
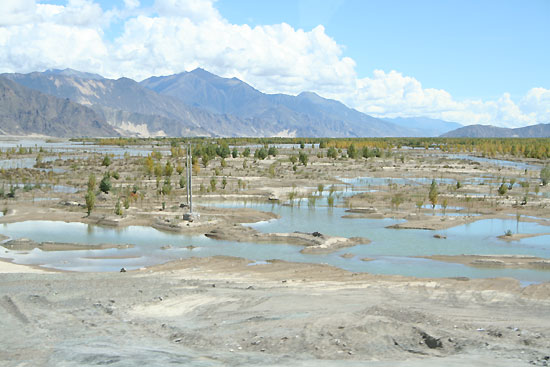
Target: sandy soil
<point x="24" y="244"/>
<point x="222" y="312"/>
<point x="502" y="261"/>
<point x="314" y="243"/>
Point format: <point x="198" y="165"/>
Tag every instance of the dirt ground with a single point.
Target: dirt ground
<point x="221" y="312"/>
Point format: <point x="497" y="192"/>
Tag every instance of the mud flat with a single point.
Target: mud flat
<point x="222" y="312"/>
<point x="501" y="261"/>
<point x="438" y="222"/>
<point x="519" y="236"/>
<point x="314" y="243"/>
<point x="24" y="244"/>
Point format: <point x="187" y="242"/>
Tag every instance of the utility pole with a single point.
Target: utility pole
<point x="190" y="178"/>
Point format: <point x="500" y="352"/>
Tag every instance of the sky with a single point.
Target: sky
<point x="468" y="61"/>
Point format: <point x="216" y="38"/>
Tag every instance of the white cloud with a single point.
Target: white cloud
<point x="177" y="35"/>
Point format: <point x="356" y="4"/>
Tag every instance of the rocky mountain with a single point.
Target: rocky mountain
<point x="489" y="131"/>
<point x="424" y="126"/>
<point x="24" y="111"/>
<point x="199" y="103"/>
<point x="304" y="115"/>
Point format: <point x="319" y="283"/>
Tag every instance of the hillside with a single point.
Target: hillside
<point x="24" y="111"/>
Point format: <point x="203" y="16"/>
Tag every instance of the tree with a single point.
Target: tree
<point x="260" y="153"/>
<point x="105" y="184"/>
<point x="302" y="157"/>
<point x="503" y="189"/>
<point x="91" y="182"/>
<point x="397" y="200"/>
<point x="332" y="153"/>
<point x="90" y="201"/>
<point x="272" y="151"/>
<point x="213" y="184"/>
<point x="106" y="161"/>
<point x="118" y="208"/>
<point x="235" y="153"/>
<point x="352" y="151"/>
<point x="433" y="194"/>
<point x="545" y="175"/>
<point x="246" y="152"/>
<point x="224" y="183"/>
<point x="168" y="169"/>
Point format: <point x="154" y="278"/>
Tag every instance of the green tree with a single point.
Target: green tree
<point x="503" y="189"/>
<point x="272" y="151"/>
<point x="352" y="151"/>
<point x="332" y="153"/>
<point x="302" y="157"/>
<point x="260" y="153"/>
<point x="545" y="175"/>
<point x="118" y="208"/>
<point x="91" y="182"/>
<point x="213" y="184"/>
<point x="235" y="153"/>
<point x="90" y="201"/>
<point x="246" y="152"/>
<point x="168" y="169"/>
<point x="106" y="161"/>
<point x="433" y="194"/>
<point x="105" y="184"/>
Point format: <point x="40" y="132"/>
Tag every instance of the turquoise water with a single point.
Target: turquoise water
<point x="394" y="251"/>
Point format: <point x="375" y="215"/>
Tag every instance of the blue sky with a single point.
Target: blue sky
<point x="472" y="48"/>
<point x="481" y="61"/>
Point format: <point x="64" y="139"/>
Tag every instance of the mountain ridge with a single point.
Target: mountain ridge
<point x="27" y="111"/>
<point x="490" y="131"/>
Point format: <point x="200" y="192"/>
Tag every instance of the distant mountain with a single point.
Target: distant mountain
<point x="199" y="103"/>
<point x="304" y="115"/>
<point x="489" y="131"/>
<point x="74" y="73"/>
<point x="424" y="126"/>
<point x="125" y="104"/>
<point x="24" y="111"/>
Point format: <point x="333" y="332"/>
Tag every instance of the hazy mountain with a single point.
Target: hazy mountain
<point x="72" y="72"/>
<point x="201" y="103"/>
<point x="129" y="107"/>
<point x="489" y="131"/>
<point x="424" y="126"/>
<point x="24" y="111"/>
<point x="304" y="115"/>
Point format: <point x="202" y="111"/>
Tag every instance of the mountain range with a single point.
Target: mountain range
<point x="24" y="111"/>
<point x="199" y="103"/>
<point x="488" y="131"/>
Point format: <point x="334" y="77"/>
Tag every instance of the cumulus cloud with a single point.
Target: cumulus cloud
<point x="179" y="35"/>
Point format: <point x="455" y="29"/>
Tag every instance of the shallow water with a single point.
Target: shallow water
<point x="393" y="251"/>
